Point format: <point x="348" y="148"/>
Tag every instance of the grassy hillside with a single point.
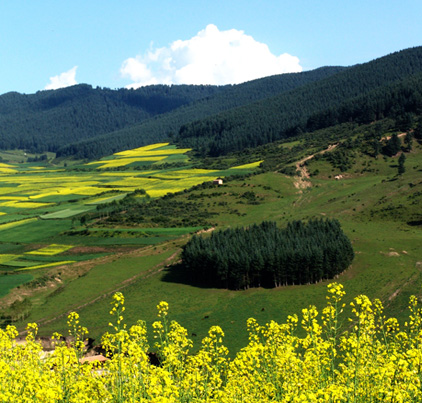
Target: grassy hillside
<point x="377" y="208"/>
<point x="45" y="239"/>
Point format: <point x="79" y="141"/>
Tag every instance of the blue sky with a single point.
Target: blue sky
<point x="47" y="44"/>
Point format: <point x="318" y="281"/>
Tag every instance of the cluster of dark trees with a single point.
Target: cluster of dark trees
<point x="166" y="211"/>
<point x="400" y="101"/>
<point x="268" y="256"/>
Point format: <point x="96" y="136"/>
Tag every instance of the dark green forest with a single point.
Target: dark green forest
<point x="167" y="125"/>
<point x="264" y="255"/>
<point x="48" y="120"/>
<point x="387" y="87"/>
<point x="84" y="122"/>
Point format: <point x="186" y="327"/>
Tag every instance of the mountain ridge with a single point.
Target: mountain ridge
<point x="82" y="122"/>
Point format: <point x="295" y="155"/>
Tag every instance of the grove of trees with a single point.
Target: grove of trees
<point x="268" y="256"/>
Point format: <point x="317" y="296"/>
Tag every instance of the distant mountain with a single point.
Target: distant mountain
<point x="389" y="86"/>
<point x="48" y="120"/>
<point x="84" y="122"/>
<point x="167" y="125"/>
<point x="52" y="120"/>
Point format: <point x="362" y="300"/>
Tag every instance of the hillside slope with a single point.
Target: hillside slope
<point x="166" y="125"/>
<point x="291" y="113"/>
<point x="49" y="119"/>
<point x="377" y="208"/>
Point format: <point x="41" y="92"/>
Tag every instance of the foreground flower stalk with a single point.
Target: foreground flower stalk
<point x="373" y="361"/>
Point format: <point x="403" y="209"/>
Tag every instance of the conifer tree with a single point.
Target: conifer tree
<point x="393" y="145"/>
<point x="408" y="142"/>
<point x="401" y="168"/>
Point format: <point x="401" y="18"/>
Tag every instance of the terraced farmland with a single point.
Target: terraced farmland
<point x="40" y="206"/>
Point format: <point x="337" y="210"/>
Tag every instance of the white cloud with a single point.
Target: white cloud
<point x="62" y="80"/>
<point x="211" y="57"/>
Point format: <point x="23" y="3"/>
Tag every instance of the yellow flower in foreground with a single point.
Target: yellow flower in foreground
<point x="374" y="361"/>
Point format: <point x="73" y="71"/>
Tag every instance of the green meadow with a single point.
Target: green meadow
<point x="44" y="245"/>
<point x="373" y="204"/>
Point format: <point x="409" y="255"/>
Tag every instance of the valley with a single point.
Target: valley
<point x="70" y="265"/>
<point x="101" y="189"/>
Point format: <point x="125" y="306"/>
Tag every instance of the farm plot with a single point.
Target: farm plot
<point x="32" y="230"/>
<point x="40" y="206"/>
<point x="106" y="199"/>
<point x="31" y="260"/>
<point x="66" y="213"/>
<point x="155" y="153"/>
<point x="59" y="194"/>
<point x="50" y="250"/>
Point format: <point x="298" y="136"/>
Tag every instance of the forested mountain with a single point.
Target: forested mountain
<point x="84" y="122"/>
<point x="389" y="86"/>
<point x="166" y="125"/>
<point x="49" y="119"/>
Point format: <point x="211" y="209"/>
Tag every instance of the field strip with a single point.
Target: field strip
<point x="42" y="266"/>
<point x="16" y="223"/>
<point x="51" y="250"/>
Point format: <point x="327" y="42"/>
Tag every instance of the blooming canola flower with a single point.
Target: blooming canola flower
<point x="376" y="360"/>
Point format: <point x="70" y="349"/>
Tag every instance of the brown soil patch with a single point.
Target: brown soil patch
<point x="87" y="249"/>
<point x="389" y="137"/>
<point x="302" y="180"/>
<point x="204" y="231"/>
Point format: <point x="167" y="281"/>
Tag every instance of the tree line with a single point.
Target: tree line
<point x="268" y="256"/>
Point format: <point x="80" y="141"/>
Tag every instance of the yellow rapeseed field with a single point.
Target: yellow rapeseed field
<point x="120" y="162"/>
<point x="141" y="150"/>
<point x="249" y="166"/>
<point x="17" y="223"/>
<point x="21" y="204"/>
<point x="376" y="360"/>
<point x="151" y="153"/>
<point x="44" y="265"/>
<point x="50" y="250"/>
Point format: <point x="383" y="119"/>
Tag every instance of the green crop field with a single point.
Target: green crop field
<point x="41" y="206"/>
